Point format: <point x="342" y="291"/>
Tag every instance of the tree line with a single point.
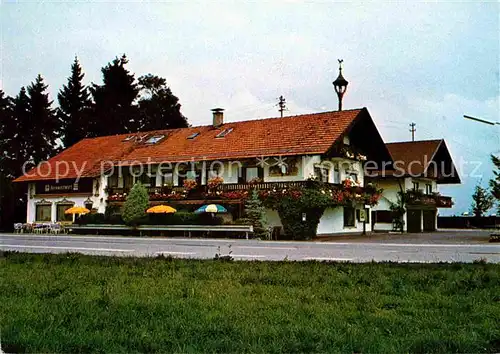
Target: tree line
<point x="482" y="199"/>
<point x="33" y="128"/>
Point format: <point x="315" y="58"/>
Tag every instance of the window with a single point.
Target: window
<point x="322" y="173"/>
<point x="128" y="138"/>
<point x="189" y="174"/>
<point x="113" y="180"/>
<point x="43" y="212"/>
<point x="88" y="205"/>
<point x="336" y="175"/>
<point x="61" y="208"/>
<point x="144" y="179"/>
<point x="353" y="176"/>
<point x="251" y="173"/>
<point x="154" y="139"/>
<point x="194" y="135"/>
<point x="428" y="189"/>
<point x="167" y="178"/>
<point x="349" y="216"/>
<point x="383" y="216"/>
<point x="224" y="133"/>
<point x="415" y="186"/>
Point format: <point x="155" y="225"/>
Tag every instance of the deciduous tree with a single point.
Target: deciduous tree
<point x="158" y="107"/>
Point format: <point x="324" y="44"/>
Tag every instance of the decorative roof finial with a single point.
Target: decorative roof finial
<point x="340" y="84"/>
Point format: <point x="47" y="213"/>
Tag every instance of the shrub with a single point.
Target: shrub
<point x="256" y="213"/>
<point x="136" y="204"/>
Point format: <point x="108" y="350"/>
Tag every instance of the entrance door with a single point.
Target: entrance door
<point x="414" y="220"/>
<point x="429" y="220"/>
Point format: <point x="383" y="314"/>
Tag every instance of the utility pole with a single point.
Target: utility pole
<point x="282" y="105"/>
<point x="413" y="130"/>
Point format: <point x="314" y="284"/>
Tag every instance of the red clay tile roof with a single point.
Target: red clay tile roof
<point x="417" y="153"/>
<point x="295" y="135"/>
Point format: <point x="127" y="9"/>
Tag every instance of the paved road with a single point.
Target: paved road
<point x="253" y="249"/>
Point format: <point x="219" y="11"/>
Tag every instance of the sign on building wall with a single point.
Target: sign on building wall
<point x="64" y="186"/>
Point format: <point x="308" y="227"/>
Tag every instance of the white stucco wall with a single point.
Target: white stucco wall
<point x="332" y="222"/>
<point x="98" y="198"/>
<point x="391" y="188"/>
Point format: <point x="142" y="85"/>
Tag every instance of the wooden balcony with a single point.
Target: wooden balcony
<point x="430" y="200"/>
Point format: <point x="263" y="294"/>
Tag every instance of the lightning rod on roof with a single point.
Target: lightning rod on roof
<point x="413" y="130"/>
<point x="282" y="105"/>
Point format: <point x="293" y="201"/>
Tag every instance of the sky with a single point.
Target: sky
<point x="428" y="63"/>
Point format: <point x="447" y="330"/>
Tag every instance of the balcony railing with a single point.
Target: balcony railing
<point x="429" y="199"/>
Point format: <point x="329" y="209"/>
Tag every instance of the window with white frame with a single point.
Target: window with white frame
<point x="336" y="174"/>
<point x="428" y="189"/>
<point x="322" y="173"/>
<point x="43" y="212"/>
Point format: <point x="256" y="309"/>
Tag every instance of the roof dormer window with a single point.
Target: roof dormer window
<point x="194" y="135"/>
<point x="224" y="133"/>
<point x="154" y="139"/>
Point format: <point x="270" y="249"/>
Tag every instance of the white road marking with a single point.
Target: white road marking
<point x="67" y="248"/>
<point x="376" y="244"/>
<point x="267" y="247"/>
<point x="171" y="252"/>
<point x="247" y="256"/>
<point x="327" y="259"/>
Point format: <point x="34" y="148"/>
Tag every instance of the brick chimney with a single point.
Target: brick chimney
<point x="218" y="117"/>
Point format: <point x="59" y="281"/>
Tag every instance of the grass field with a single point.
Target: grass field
<point x="74" y="303"/>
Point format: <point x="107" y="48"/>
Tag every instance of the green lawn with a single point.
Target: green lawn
<point x="74" y="303"/>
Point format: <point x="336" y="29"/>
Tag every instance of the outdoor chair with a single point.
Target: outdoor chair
<point x="28" y="228"/>
<point x="55" y="228"/>
<point x="18" y="228"/>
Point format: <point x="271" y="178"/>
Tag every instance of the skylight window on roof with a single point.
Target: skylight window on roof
<point x="128" y="138"/>
<point x="194" y="135"/>
<point x="224" y="133"/>
<point x="154" y="139"/>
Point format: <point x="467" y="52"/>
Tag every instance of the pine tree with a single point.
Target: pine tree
<point x="7" y="126"/>
<point x="74" y="105"/>
<point x="136" y="204"/>
<point x="159" y="108"/>
<point x="495" y="182"/>
<point x="44" y="126"/>
<point x="20" y="133"/>
<point x="114" y="110"/>
<point x="256" y="213"/>
<point x="482" y="201"/>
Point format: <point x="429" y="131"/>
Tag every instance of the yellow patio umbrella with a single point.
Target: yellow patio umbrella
<point x="77" y="210"/>
<point x="161" y="209"/>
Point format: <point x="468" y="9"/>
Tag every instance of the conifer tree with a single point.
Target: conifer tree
<point x="74" y="107"/>
<point x="495" y="182"/>
<point x="256" y="213"/>
<point x="482" y="201"/>
<point x="43" y="127"/>
<point x="136" y="204"/>
<point x="114" y="110"/>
